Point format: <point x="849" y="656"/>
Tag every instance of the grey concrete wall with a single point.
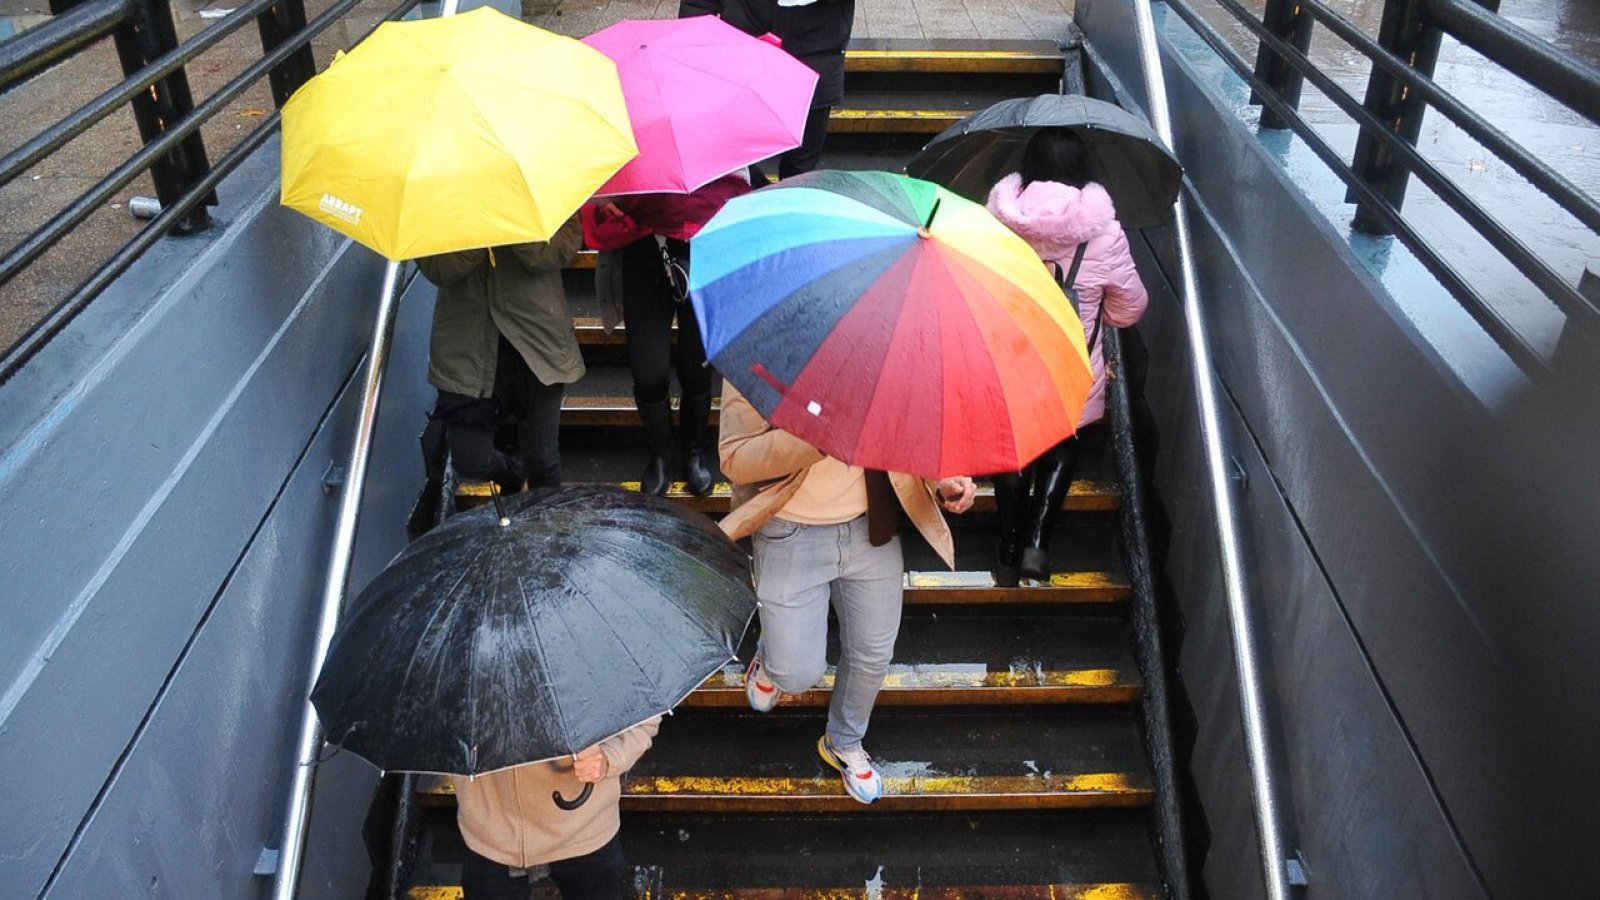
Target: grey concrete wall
<point x="162" y="542"/>
<point x="1432" y="699"/>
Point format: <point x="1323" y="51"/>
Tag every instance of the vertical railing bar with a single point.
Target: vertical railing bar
<point x="1270" y="815"/>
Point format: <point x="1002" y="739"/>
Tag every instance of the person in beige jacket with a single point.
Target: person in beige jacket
<point x="511" y="824"/>
<point x="823" y="530"/>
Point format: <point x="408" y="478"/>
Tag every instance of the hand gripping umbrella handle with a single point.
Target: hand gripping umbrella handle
<point x="570" y="805"/>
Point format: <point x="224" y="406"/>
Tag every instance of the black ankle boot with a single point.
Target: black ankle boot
<point x="693" y="414"/>
<point x="657" y="418"/>
<point x="1051" y="480"/>
<point x="1008" y="500"/>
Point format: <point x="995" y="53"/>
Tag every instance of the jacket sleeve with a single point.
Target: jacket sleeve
<point x="554" y="254"/>
<point x="1124" y="297"/>
<point x="751" y="450"/>
<point x="624" y="750"/>
<point x="687" y="8"/>
<point x="449" y="268"/>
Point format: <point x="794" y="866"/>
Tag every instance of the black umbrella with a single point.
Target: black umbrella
<point x="1126" y="155"/>
<point x="495" y="641"/>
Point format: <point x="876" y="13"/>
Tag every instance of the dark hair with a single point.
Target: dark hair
<point x="1055" y="154"/>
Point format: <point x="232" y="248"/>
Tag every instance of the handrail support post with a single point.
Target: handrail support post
<point x="146" y="38"/>
<point x="1288" y="20"/>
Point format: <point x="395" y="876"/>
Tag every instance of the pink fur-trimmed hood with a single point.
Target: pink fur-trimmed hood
<point x="1053" y="218"/>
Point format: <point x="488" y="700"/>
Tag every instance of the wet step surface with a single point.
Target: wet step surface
<point x="715" y="762"/>
<point x="711" y="761"/>
<point x="977" y="659"/>
<point x="1062" y="855"/>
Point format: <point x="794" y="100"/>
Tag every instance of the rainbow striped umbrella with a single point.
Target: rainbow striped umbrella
<point x="890" y="323"/>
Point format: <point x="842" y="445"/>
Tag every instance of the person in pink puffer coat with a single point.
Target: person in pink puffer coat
<point x="1052" y="204"/>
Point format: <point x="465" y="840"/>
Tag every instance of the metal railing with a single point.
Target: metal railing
<point x="1268" y="803"/>
<point x="1399" y="91"/>
<point x="156" y="90"/>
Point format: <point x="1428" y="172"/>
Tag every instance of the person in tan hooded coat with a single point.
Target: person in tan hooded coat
<point x="511" y="824"/>
<point x="824" y="531"/>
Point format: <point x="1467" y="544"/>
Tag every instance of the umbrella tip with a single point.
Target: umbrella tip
<point x="504" y="521"/>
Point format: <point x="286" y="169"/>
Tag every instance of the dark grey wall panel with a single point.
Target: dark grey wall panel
<point x="161" y="546"/>
<point x="1394" y="695"/>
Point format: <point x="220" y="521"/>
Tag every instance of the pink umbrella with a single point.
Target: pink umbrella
<point x="704" y="98"/>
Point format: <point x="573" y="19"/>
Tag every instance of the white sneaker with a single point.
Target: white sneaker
<point x="861" y="778"/>
<point x="758" y="688"/>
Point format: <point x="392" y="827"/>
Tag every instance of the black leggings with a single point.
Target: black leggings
<point x="649" y="306"/>
<point x="596" y="875"/>
<point x="470" y="424"/>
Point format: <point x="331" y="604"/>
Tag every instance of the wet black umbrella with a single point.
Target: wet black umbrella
<point x="486" y="645"/>
<point x="1126" y="155"/>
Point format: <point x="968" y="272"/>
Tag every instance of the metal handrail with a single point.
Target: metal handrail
<point x="1270" y="815"/>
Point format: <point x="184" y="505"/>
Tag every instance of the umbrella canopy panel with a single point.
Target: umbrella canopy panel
<point x="1126" y="156"/>
<point x="447" y="134"/>
<point x="484" y="646"/>
<point x="705" y="99"/>
<point x="890" y="323"/>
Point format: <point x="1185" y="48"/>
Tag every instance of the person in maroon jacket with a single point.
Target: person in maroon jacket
<point x="814" y="32"/>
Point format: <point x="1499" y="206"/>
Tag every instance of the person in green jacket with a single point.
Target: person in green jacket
<point x="503" y="343"/>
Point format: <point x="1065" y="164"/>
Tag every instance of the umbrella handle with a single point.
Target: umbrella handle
<point x="570" y="805"/>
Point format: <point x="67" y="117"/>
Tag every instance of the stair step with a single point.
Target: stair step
<point x="876" y="56"/>
<point x="978" y="659"/>
<point x="1101" y="854"/>
<point x="930" y="761"/>
<point x="547" y="891"/>
<point x="1082" y="496"/>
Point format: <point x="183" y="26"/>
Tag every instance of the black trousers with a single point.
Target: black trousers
<point x="592" y="876"/>
<point x="650" y="305"/>
<point x="808" y="155"/>
<point x="470" y="424"/>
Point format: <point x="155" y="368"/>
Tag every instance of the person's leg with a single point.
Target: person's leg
<point x="1052" y="478"/>
<point x="539" y="433"/>
<point x="694" y="377"/>
<point x="593" y="876"/>
<point x="649" y="309"/>
<point x="793" y="568"/>
<point x="867" y="599"/>
<point x="484" y="879"/>
<point x="1009" y="499"/>
<point x="808" y="155"/>
<point x="469" y="424"/>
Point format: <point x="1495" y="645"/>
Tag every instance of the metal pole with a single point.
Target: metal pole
<point x="309" y="745"/>
<point x="1258" y="748"/>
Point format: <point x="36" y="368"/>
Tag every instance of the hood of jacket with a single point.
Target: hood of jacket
<point x="1052" y="217"/>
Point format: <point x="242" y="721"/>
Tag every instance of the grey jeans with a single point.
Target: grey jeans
<point x="798" y="568"/>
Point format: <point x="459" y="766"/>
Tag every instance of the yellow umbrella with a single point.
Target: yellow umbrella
<point x="446" y="134"/>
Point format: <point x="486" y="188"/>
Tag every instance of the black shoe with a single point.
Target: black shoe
<point x="1035" y="563"/>
<point x="515" y="477"/>
<point x="693" y="414"/>
<point x="657" y="418"/>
